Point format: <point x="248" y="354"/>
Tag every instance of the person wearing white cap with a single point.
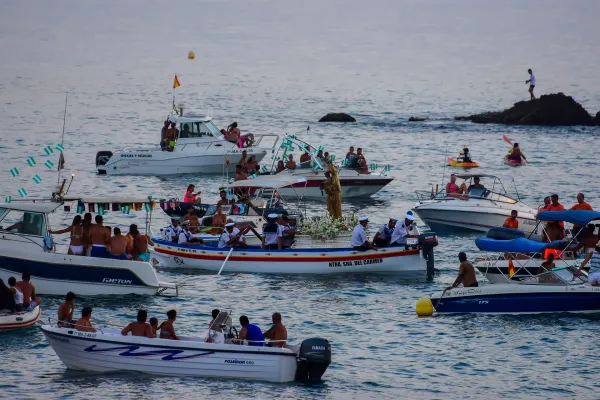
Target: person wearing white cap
<point x="273" y="234"/>
<point x="232" y="237"/>
<point x="186" y="237"/>
<point x="173" y="231"/>
<point x="383" y="237"/>
<point x="359" y="236"/>
<point x="407" y="229"/>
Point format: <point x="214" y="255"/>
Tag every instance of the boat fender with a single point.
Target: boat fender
<point x="424" y="307"/>
<point x="313" y="359"/>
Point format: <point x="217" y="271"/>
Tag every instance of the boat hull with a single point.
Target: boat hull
<point x="11" y="321"/>
<point x="103" y="352"/>
<point x="292" y="261"/>
<point x="466" y="165"/>
<point x="514" y="163"/>
<point x="519" y="299"/>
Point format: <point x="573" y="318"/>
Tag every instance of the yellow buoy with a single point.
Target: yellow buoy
<point x="424" y="307"/>
<point x="191" y="55"/>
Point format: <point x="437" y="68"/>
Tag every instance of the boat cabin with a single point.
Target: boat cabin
<point x="26" y="218"/>
<point x="195" y="127"/>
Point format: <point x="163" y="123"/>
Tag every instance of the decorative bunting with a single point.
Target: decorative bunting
<point x="264" y="169"/>
<point x="48" y="150"/>
<point x="374" y="167"/>
<point x="344" y="162"/>
<point x="49" y="164"/>
<point x="332" y="157"/>
<point x="321" y="147"/>
<point x="315" y="167"/>
<point x="36" y="178"/>
<point x="126" y="209"/>
<point x="7" y="199"/>
<point x="60" y="147"/>
<point x="388" y="168"/>
<point x="80" y="207"/>
<point x="22" y="192"/>
<point x="14" y="172"/>
<point x="31" y="161"/>
<point x="101" y="210"/>
<point x="147" y="207"/>
<point x="253" y="176"/>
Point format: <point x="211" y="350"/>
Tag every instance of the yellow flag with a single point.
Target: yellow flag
<point x="176" y="82"/>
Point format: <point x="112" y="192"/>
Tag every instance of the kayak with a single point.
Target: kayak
<point x="454" y="163"/>
<point x="514" y="163"/>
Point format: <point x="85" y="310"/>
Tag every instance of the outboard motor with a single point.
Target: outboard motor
<point x="427" y="241"/>
<point x="102" y="157"/>
<point x="313" y="359"/>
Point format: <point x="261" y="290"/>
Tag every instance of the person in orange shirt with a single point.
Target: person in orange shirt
<point x="512" y="222"/>
<point x="555" y="229"/>
<point x="581" y="205"/>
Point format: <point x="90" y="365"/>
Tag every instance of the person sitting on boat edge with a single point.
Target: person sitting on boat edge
<point x="30" y="300"/>
<point x="66" y="310"/>
<point x="7" y="299"/>
<point x="383" y="236"/>
<point x="233" y="237"/>
<point x="452" y="189"/>
<point x="193" y="219"/>
<point x="407" y="229"/>
<point x="512" y="222"/>
<point x="17" y="294"/>
<point x="78" y="237"/>
<point x="190" y="196"/>
<point x="273" y="234"/>
<point x="515" y="153"/>
<point x="172" y="232"/>
<point x="139" y="327"/>
<point x="581" y="205"/>
<point x="118" y="247"/>
<point x="167" y="330"/>
<point x="186" y="237"/>
<point x="99" y="238"/>
<point x="288" y="232"/>
<point x="84" y="324"/>
<point x="139" y="247"/>
<point x="276" y="333"/>
<point x="154" y="325"/>
<point x="223" y="200"/>
<point x="359" y="236"/>
<point x="250" y="333"/>
<point x="218" y="221"/>
<point x="594" y="275"/>
<point x="305" y="158"/>
<point x="466" y="273"/>
<point x="587" y="241"/>
<point x="476" y="184"/>
<point x="291" y="164"/>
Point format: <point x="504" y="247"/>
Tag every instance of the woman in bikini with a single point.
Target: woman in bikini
<point x="453" y="190"/>
<point x="78" y="236"/>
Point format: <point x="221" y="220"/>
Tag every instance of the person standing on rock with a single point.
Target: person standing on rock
<point x="531" y="82"/>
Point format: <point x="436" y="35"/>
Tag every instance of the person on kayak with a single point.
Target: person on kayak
<point x="515" y="154"/>
<point x="465" y="156"/>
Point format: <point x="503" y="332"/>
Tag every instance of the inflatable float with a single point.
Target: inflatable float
<point x="455" y="163"/>
<point x="20" y="319"/>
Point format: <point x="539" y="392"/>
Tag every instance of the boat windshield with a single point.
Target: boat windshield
<point x="565" y="276"/>
<point x="482" y="193"/>
<point x="28" y="223"/>
<point x="198" y="129"/>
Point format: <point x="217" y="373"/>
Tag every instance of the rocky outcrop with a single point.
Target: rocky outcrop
<point x="551" y="109"/>
<point x="338" y="117"/>
<point x="416" y="119"/>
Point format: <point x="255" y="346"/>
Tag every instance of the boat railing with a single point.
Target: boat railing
<point x="425" y="195"/>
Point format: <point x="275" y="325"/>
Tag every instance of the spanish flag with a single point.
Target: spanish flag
<point x="511" y="269"/>
<point x="176" y="83"/>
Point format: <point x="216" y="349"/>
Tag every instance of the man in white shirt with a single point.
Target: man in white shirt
<point x="173" y="231"/>
<point x="531" y="82"/>
<point x="232" y="237"/>
<point x="384" y="235"/>
<point x="407" y="229"/>
<point x="359" y="236"/>
<point x="186" y="237"/>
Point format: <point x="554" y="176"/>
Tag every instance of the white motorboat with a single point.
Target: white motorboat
<point x="354" y="184"/>
<point x="215" y="355"/>
<point x="200" y="149"/>
<point x="479" y="210"/>
<point x="25" y="245"/>
<point x="16" y="320"/>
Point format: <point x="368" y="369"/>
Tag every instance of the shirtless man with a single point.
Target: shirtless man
<point x="139" y="248"/>
<point x="167" y="330"/>
<point x="192" y="219"/>
<point x="66" y="309"/>
<point x="223" y="199"/>
<point x="140" y="327"/>
<point x="291" y="164"/>
<point x="546" y="266"/>
<point x="240" y="174"/>
<point x="99" y="238"/>
<point x="234" y="132"/>
<point x="305" y="158"/>
<point x="277" y="333"/>
<point x="171" y="137"/>
<point x="466" y="273"/>
<point x="119" y="246"/>
<point x="84" y="323"/>
<point x="29" y="298"/>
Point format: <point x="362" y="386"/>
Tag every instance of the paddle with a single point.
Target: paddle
<point x="224" y="262"/>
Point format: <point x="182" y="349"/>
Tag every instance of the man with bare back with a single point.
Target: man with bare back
<point x="29" y="298"/>
<point x="119" y="246"/>
<point x="99" y="238"/>
<point x="140" y="327"/>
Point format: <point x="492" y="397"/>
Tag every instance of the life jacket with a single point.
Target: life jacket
<point x="515" y="155"/>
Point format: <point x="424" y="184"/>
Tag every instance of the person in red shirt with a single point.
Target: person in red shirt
<point x="512" y="222"/>
<point x="581" y="205"/>
<point x="555" y="229"/>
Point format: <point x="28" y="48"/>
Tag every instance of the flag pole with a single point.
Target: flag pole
<point x="62" y="139"/>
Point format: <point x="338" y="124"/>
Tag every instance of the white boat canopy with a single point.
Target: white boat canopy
<point x="268" y="182"/>
<point x="42" y="207"/>
<point x="178" y="119"/>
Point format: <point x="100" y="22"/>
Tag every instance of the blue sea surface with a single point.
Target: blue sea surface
<point x="276" y="67"/>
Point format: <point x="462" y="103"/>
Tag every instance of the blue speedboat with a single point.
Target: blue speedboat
<point x="557" y="291"/>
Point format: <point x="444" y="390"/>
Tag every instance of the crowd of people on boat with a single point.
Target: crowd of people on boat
<point x="250" y="334"/>
<point x="170" y="134"/>
<point x="97" y="240"/>
<point x="390" y="234"/>
<point x="18" y="296"/>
